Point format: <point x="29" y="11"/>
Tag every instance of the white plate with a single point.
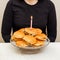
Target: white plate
<point x="30" y="50"/>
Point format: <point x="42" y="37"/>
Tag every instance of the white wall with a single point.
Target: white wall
<point x="56" y="2"/>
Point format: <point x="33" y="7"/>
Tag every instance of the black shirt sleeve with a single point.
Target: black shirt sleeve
<point x="52" y="23"/>
<point x="7" y="22"/>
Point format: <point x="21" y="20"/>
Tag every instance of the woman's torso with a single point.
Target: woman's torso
<point x="23" y="11"/>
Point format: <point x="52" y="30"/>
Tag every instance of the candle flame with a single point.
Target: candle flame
<point x="31" y="17"/>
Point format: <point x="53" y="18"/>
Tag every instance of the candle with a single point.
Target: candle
<point x="31" y="21"/>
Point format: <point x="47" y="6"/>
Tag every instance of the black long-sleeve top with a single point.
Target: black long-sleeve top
<point x="17" y="15"/>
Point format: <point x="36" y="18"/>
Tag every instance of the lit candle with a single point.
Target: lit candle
<point x="31" y="21"/>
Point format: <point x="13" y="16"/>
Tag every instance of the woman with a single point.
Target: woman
<point x="17" y="15"/>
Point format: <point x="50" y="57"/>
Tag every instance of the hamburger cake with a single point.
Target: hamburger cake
<point x="25" y="37"/>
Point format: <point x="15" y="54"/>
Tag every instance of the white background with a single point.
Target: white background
<point x="57" y="6"/>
